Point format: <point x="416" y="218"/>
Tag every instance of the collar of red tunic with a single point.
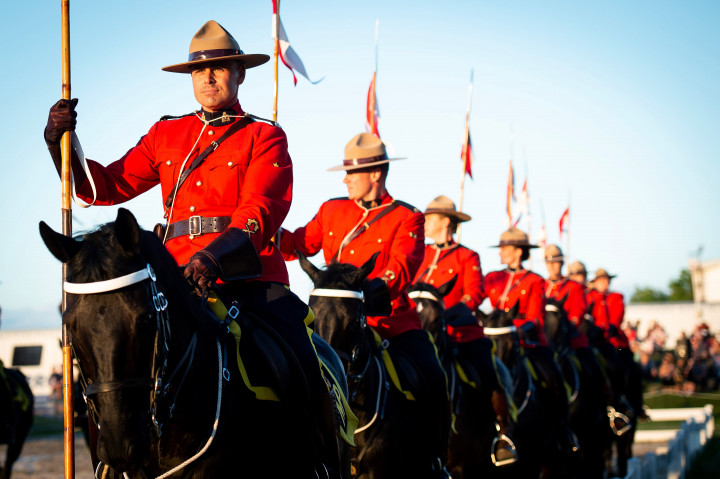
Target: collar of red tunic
<point x="368" y="205"/>
<point x="223" y="117"/>
<point x="514" y="271"/>
<point x="442" y="246"/>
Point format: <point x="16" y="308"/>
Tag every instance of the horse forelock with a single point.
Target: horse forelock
<point x="338" y="276"/>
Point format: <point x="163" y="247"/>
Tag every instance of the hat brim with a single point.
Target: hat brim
<point x="555" y="259"/>
<point x="608" y="276"/>
<point x="250" y="61"/>
<point x="366" y="165"/>
<point x="518" y="245"/>
<point x="458" y="215"/>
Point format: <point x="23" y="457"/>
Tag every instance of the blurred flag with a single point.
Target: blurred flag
<point x="542" y="239"/>
<point x="523" y="203"/>
<point x="466" y="154"/>
<point x="372" y="111"/>
<point x="288" y="56"/>
<point x="510" y="194"/>
<point x="564" y="222"/>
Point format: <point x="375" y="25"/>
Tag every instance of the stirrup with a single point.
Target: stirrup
<point x="440" y="469"/>
<point x="613" y="416"/>
<point x="513" y="449"/>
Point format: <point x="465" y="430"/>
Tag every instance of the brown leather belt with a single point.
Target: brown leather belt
<point x="198" y="225"/>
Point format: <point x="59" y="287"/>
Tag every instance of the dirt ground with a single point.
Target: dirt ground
<point x="42" y="458"/>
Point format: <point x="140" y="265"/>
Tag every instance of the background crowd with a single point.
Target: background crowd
<point x="692" y="364"/>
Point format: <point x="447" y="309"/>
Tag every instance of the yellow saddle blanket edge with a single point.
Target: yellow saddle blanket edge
<point x="390" y="367"/>
<point x="265" y="393"/>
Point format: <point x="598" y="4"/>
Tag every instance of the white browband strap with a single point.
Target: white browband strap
<point x="338" y="293"/>
<point x="424" y="295"/>
<point x="551" y="307"/>
<point x="110" y="284"/>
<point x="499" y="331"/>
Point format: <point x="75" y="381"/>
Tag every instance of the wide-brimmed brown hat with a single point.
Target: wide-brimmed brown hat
<point x="553" y="254"/>
<point x="601" y="273"/>
<point x="442" y="205"/>
<point x="514" y="237"/>
<point x="213" y="43"/>
<point x="363" y="151"/>
<point x="577" y="268"/>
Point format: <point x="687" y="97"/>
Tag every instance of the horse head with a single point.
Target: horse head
<point x="120" y="282"/>
<point x="430" y="305"/>
<point x="499" y="325"/>
<point x="338" y="303"/>
<point x="557" y="325"/>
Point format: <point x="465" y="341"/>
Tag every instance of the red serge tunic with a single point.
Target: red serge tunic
<point x="440" y="266"/>
<point x="398" y="236"/>
<point x="574" y="306"/>
<point x="506" y="288"/>
<point x="249" y="178"/>
<point x="609" y="309"/>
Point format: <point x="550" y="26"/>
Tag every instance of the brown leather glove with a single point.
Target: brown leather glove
<point x="62" y="118"/>
<point x="201" y="271"/>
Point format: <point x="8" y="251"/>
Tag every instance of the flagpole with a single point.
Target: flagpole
<point x="569" y="229"/>
<point x="465" y="153"/>
<point x="65" y="148"/>
<point x="276" y="54"/>
<point x="373" y="120"/>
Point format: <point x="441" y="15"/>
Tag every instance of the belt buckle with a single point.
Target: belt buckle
<point x="195" y="226"/>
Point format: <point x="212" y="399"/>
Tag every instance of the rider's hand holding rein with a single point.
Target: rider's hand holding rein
<point x="201" y="271"/>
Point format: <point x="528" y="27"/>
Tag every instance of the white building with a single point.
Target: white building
<point x="683" y="316"/>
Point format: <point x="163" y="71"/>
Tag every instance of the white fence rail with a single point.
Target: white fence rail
<point x="671" y="461"/>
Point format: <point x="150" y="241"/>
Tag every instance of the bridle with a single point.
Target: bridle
<point x="156" y="382"/>
<point x="162" y="341"/>
<point x="346" y="294"/>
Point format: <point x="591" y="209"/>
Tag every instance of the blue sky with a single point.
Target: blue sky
<point x="612" y="106"/>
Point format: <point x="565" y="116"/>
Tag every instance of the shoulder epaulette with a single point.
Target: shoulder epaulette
<point x="264" y="120"/>
<point x="407" y="205"/>
<point x="175" y="117"/>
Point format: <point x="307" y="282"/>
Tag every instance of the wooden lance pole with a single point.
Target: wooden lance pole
<point x="68" y="412"/>
<point x="276" y="54"/>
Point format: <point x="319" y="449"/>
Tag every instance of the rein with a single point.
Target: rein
<point x="159" y="387"/>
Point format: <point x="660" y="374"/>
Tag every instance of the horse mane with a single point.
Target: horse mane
<point x="338" y="275"/>
<point x="102" y="257"/>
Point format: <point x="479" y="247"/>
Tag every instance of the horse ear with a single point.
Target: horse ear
<point x="64" y="248"/>
<point x="447" y="287"/>
<point x="127" y="231"/>
<point x="367" y="268"/>
<point x="307" y="266"/>
<point x="514" y="310"/>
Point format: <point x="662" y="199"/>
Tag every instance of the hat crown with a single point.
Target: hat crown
<point x="514" y="236"/>
<point x="212" y="36"/>
<point x="601" y="272"/>
<point x="553" y="252"/>
<point x="365" y="145"/>
<point x="577" y="268"/>
<point x="442" y="202"/>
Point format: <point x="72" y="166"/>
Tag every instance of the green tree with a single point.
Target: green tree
<point x="681" y="287"/>
<point x="647" y="295"/>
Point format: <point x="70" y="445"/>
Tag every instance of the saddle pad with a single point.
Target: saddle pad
<point x="347" y="421"/>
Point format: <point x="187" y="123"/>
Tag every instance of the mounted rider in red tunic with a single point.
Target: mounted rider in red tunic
<point x="368" y="221"/>
<point x="226" y="177"/>
<point x="444" y="260"/>
<point x="517" y="286"/>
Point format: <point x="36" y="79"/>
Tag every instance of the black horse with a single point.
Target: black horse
<point x="536" y="432"/>
<point x="392" y="440"/>
<point x="162" y="378"/>
<point x="588" y="403"/>
<point x="18" y="418"/>
<point x="625" y="381"/>
<point x="473" y="430"/>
